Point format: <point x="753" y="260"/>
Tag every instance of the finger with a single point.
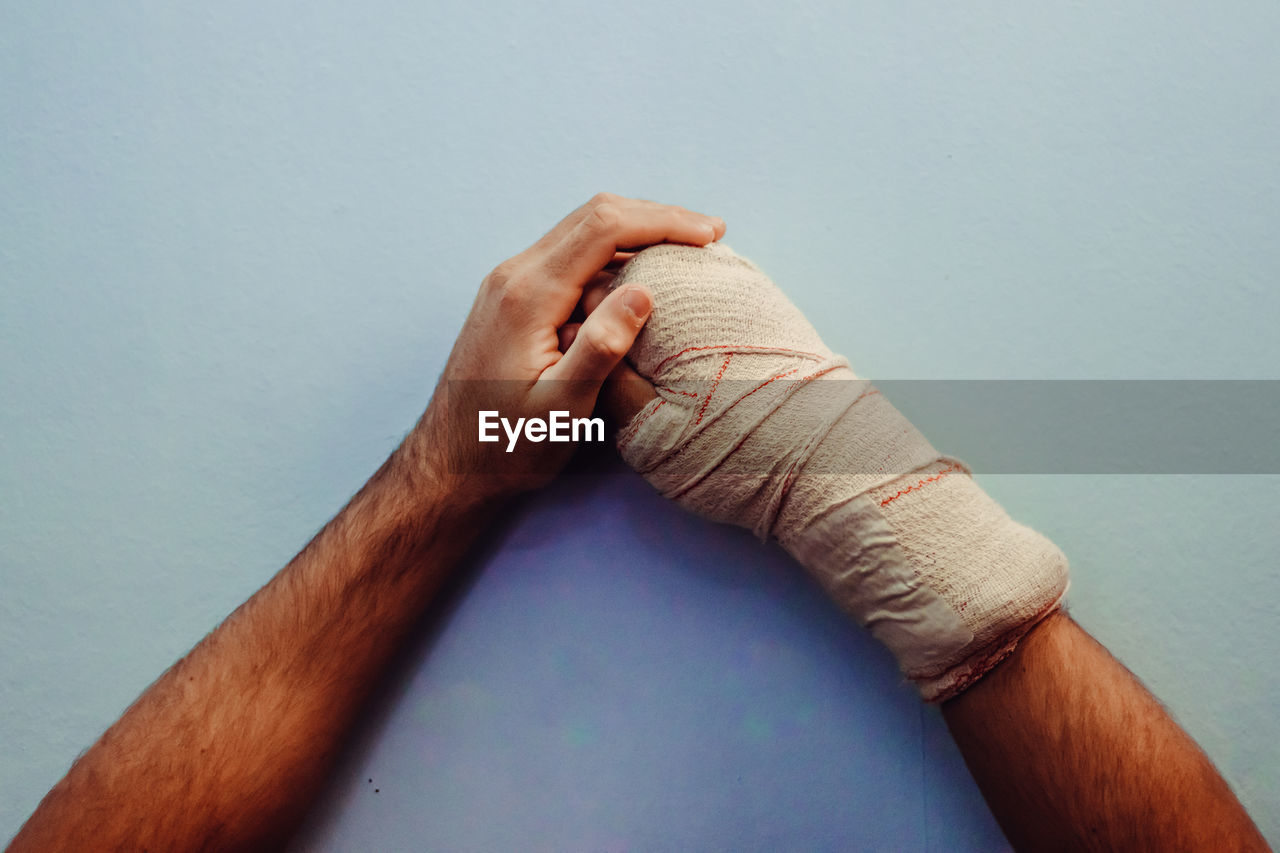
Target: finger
<point x="604" y="337"/>
<point x="614" y="226"/>
<point x="557" y="233"/>
<point x="564" y="226"/>
<point x="619" y="258"/>
<point x="624" y="394"/>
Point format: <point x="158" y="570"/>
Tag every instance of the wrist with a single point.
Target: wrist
<point x="439" y="480"/>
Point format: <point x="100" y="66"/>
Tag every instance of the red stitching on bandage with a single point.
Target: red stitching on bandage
<point x="743" y="440"/>
<point x="938" y="476"/>
<point x="767" y="381"/>
<point x="742" y="347"/>
<point x="635" y="427"/>
<point x="702" y="411"/>
<point x="681" y="449"/>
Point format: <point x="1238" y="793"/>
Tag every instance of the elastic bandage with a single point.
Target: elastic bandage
<point x="757" y="423"/>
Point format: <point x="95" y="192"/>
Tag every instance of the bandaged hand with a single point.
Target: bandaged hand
<point x="756" y="422"/>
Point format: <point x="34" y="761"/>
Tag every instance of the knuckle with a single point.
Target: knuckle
<point x="502" y="273"/>
<point x="603" y="198"/>
<point x="515" y="291"/>
<point x="604" y="344"/>
<point x="604" y="217"/>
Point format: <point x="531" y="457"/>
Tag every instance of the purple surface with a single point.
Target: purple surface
<point x="614" y="674"/>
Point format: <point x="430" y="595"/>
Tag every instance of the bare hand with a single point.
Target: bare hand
<point x="625" y="392"/>
<point x="520" y="353"/>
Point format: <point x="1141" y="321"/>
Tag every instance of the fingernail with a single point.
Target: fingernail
<point x="637" y="302"/>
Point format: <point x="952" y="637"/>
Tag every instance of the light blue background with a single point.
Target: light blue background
<point x="237" y="240"/>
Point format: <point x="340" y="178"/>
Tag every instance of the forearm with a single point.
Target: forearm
<point x="1072" y="753"/>
<point x="752" y="420"/>
<point x="228" y="747"/>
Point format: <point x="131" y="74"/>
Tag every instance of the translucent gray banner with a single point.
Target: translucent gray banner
<point x="994" y="426"/>
<point x="1098" y="426"/>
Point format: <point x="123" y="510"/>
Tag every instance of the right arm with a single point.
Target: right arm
<point x="1072" y="753"/>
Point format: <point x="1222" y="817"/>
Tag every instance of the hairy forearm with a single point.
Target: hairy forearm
<point x="228" y="747"/>
<point x="1072" y="753"/>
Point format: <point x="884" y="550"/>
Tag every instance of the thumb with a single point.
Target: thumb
<point x="605" y="336"/>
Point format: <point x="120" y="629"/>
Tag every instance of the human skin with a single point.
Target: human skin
<point x="1069" y="749"/>
<point x="226" y="750"/>
<point x="1072" y="753"/>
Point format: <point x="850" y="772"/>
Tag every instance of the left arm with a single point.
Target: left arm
<point x="227" y="748"/>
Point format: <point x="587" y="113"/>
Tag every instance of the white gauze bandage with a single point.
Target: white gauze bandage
<point x="757" y="423"/>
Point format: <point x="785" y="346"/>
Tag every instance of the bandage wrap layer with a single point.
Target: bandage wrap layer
<point x="757" y="423"/>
